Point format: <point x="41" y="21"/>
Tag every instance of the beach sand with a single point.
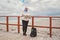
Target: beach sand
<point x="42" y="34"/>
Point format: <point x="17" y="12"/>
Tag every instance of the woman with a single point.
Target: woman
<point x="25" y="19"/>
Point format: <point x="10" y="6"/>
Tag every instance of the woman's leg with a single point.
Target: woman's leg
<point x="25" y="24"/>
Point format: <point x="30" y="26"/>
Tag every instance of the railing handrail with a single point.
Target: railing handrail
<point x="50" y="20"/>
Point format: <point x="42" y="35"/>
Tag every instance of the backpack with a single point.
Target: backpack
<point x="33" y="32"/>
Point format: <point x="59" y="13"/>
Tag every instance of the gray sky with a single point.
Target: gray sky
<point x="36" y="7"/>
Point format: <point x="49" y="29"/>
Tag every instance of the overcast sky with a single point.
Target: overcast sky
<point x="36" y="7"/>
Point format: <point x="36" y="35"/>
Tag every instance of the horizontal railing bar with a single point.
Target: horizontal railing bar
<point x="31" y="26"/>
<point x="3" y="23"/>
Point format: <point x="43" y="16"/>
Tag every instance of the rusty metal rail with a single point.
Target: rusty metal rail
<point x="18" y="24"/>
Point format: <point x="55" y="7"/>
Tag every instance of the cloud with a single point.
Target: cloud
<point x="46" y="4"/>
<point x="46" y="7"/>
<point x="36" y="7"/>
<point x="32" y="1"/>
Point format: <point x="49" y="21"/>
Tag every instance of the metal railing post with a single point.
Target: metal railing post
<point x="7" y="28"/>
<point x="50" y="26"/>
<point x="32" y="21"/>
<point x="18" y="24"/>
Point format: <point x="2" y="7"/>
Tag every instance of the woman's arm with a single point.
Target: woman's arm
<point x="28" y="16"/>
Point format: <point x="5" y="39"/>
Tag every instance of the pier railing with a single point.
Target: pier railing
<point x="18" y="24"/>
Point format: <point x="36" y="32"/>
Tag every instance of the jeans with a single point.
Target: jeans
<point x="24" y="24"/>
